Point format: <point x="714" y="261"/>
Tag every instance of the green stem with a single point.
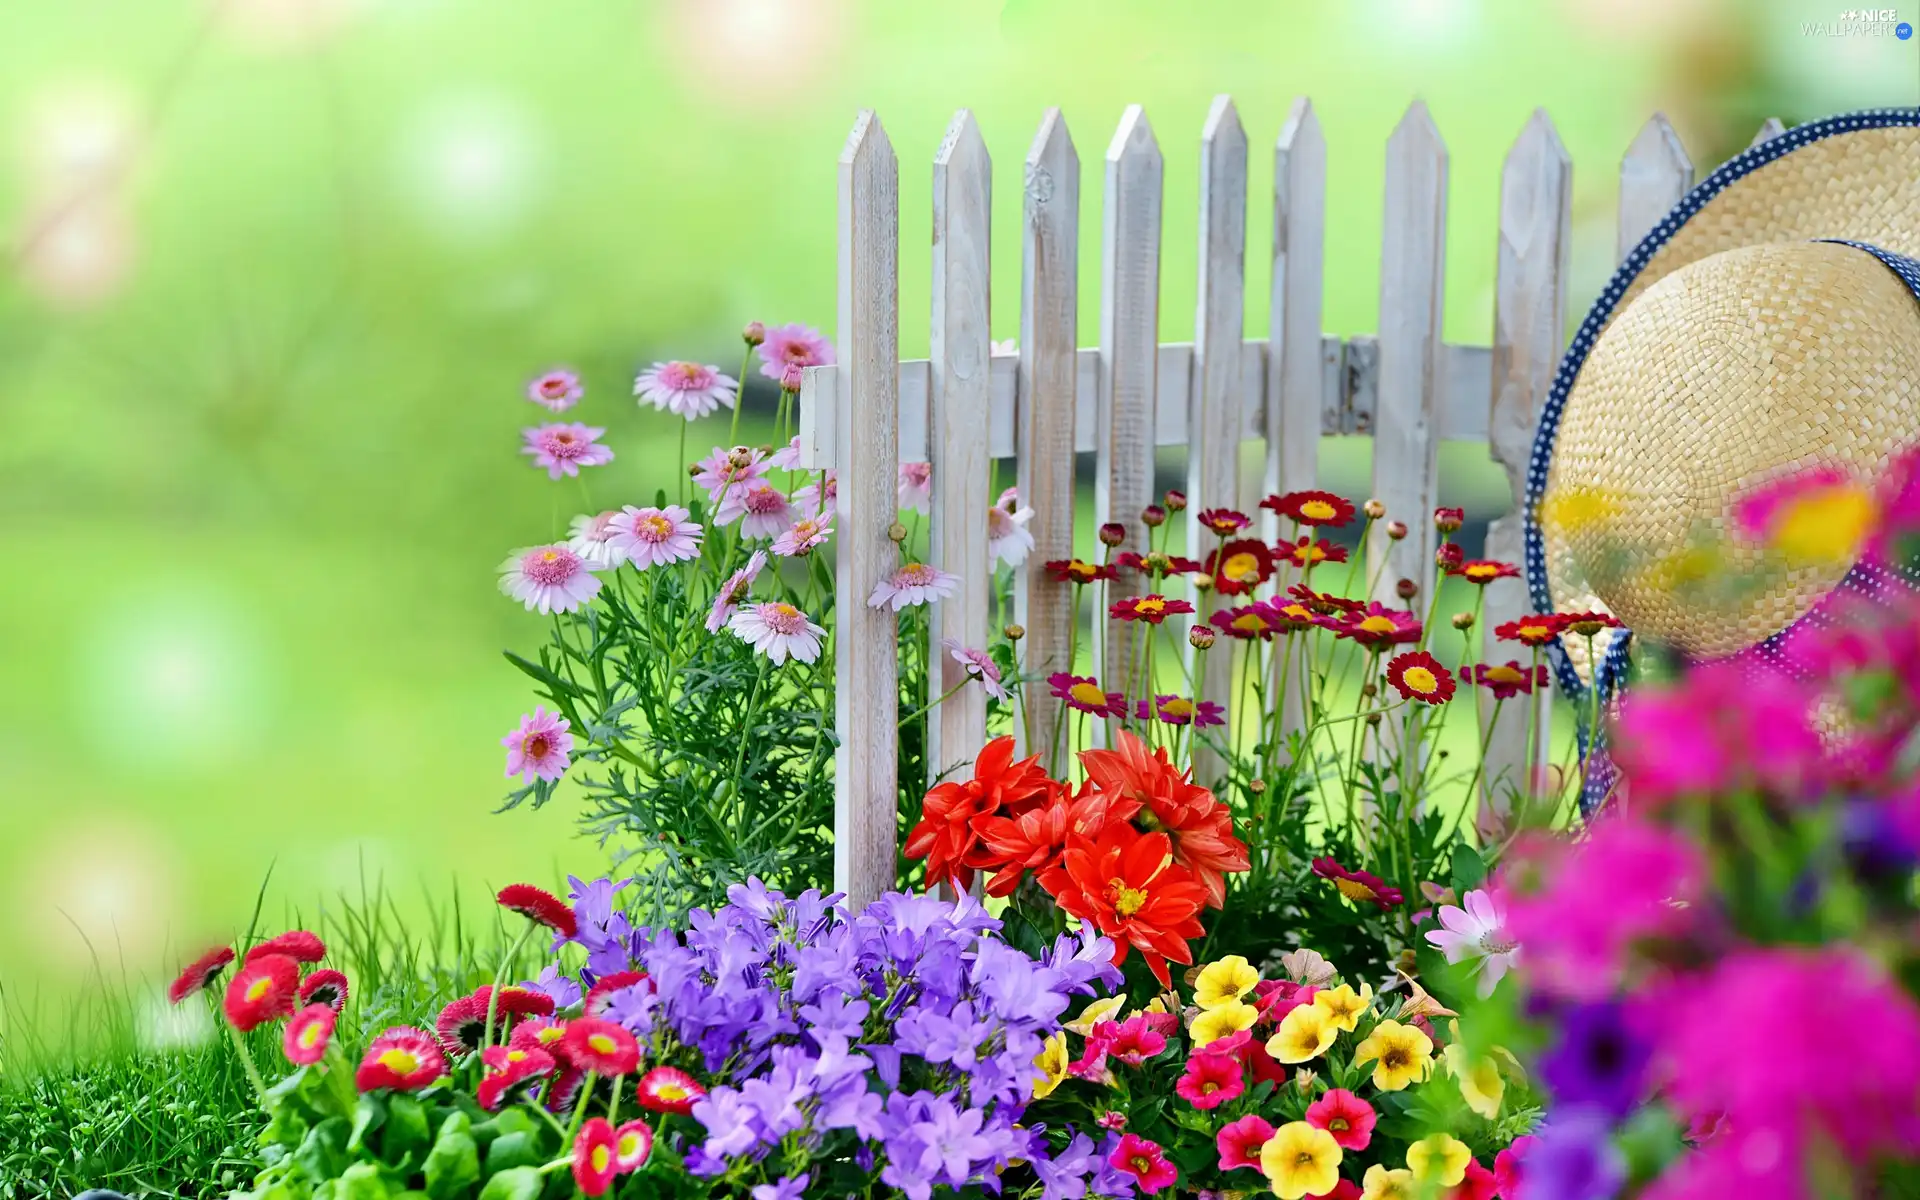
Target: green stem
<point x="246" y="1062"/>
<point x="499" y="980"/>
<point x="924" y="709"/>
<point x="740" y="398"/>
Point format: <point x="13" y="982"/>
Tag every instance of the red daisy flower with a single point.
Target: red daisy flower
<point x="632" y="1146"/>
<point x="946" y="834"/>
<point x="1419" y="676"/>
<point x="539" y="906"/>
<point x="1178" y="710"/>
<point x="327" y="987"/>
<point x="1587" y="624"/>
<point x="565" y="1088"/>
<point x="1240" y="1141"/>
<point x="1358" y="886"/>
<point x="1142" y="1159"/>
<point x="1246" y="622"/>
<point x="1344" y="1115"/>
<point x="1509" y="679"/>
<point x="539" y="1033"/>
<point x="668" y="1090"/>
<point x="1291" y="616"/>
<point x="1073" y="570"/>
<point x="1224" y="522"/>
<point x="595" y="1004"/>
<point x="402" y="1058"/>
<point x="462" y="1025"/>
<point x="1310" y="508"/>
<point x="506" y="1068"/>
<point x="198" y="975"/>
<point x="1082" y="692"/>
<point x="306" y="1036"/>
<point x="1240" y="566"/>
<point x="1484" y="571"/>
<point x="1210" y="1080"/>
<point x="1324" y="604"/>
<point x="601" y="1047"/>
<point x="1152" y="609"/>
<point x="296" y="944"/>
<point x="594" y="1161"/>
<point x="1535" y="630"/>
<point x="262" y="991"/>
<point x="1128" y="886"/>
<point x="1157" y="564"/>
<point x="1377" y="626"/>
<point x="1311" y="552"/>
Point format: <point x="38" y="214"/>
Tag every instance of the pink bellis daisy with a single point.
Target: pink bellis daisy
<point x="558" y="389"/>
<point x="789" y="348"/>
<point x="563" y="448"/>
<point x="305" y="1038"/>
<point x="803" y="536"/>
<point x="1008" y="539"/>
<point x="979" y="665"/>
<point x="649" y="537"/>
<point x="550" y="579"/>
<point x="914" y="583"/>
<point x="915" y="489"/>
<point x="591" y="537"/>
<point x="1477" y="933"/>
<point x="733" y="591"/>
<point x="402" y="1058"/>
<point x="762" y="510"/>
<point x="725" y="470"/>
<point x="540" y="748"/>
<point x="686" y="389"/>
<point x="779" y="631"/>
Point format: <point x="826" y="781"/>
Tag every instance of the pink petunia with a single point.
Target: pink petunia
<point x="558" y="389"/>
<point x="788" y="348"/>
<point x="723" y="471"/>
<point x="1344" y="1115"/>
<point x="540" y="747"/>
<point x="550" y="579"/>
<point x="1008" y="538"/>
<point x="1144" y="1160"/>
<point x="686" y="389"/>
<point x="778" y="630"/>
<point x="802" y="536"/>
<point x="733" y="591"/>
<point x="979" y="665"/>
<point x="1720" y="728"/>
<point x="762" y="510"/>
<point x="914" y="583"/>
<point x="915" y="489"/>
<point x="1240" y="1141"/>
<point x="563" y="448"/>
<point x="1210" y="1080"/>
<point x="649" y="537"/>
<point x="591" y="537"/>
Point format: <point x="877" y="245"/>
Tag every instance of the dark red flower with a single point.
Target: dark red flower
<point x="1073" y="570"/>
<point x="1307" y="553"/>
<point x="1310" y="508"/>
<point x="947" y="834"/>
<point x="1449" y="520"/>
<point x="1377" y="626"/>
<point x="1247" y="622"/>
<point x="1587" y="624"/>
<point x="595" y="1161"/>
<point x="1449" y="555"/>
<point x="325" y="987"/>
<point x="198" y="975"/>
<point x="1535" y="630"/>
<point x="1152" y="609"/>
<point x="1483" y="571"/>
<point x="539" y="906"/>
<point x="305" y="1039"/>
<point x="1509" y="679"/>
<point x="1238" y="567"/>
<point x="1419" y="676"/>
<point x="1478" y="1184"/>
<point x="462" y="1025"/>
<point x="506" y="1068"/>
<point x="262" y="991"/>
<point x="1156" y="564"/>
<point x="1358" y="886"/>
<point x="402" y="1058"/>
<point x="1083" y="693"/>
<point x="1324" y="604"/>
<point x="296" y="944"/>
<point x="1224" y="522"/>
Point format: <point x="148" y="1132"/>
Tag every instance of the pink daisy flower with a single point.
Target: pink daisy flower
<point x="779" y="631"/>
<point x="1008" y="539"/>
<point x="558" y="389"/>
<point x="649" y="537"/>
<point x="914" y="583"/>
<point x="916" y="486"/>
<point x="789" y="348"/>
<point x="803" y="536"/>
<point x="305" y="1038"/>
<point x="724" y="470"/>
<point x="686" y="389"/>
<point x="762" y="510"/>
<point x="787" y="457"/>
<point x="591" y="537"/>
<point x="819" y="498"/>
<point x="979" y="665"/>
<point x="540" y="747"/>
<point x="549" y="578"/>
<point x="563" y="448"/>
<point x="733" y="591"/>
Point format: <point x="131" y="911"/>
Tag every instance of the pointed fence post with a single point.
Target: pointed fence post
<point x="1214" y="412"/>
<point x="1129" y="361"/>
<point x="1654" y="176"/>
<point x="866" y="455"/>
<point x="1412" y="275"/>
<point x="959" y="401"/>
<point x="1770" y="129"/>
<point x="1529" y="331"/>
<point x="1049" y="304"/>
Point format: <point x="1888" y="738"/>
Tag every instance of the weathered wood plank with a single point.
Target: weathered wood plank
<point x="1654" y="176"/>
<point x="1129" y="353"/>
<point x="1412" y="274"/>
<point x="1048" y="399"/>
<point x="1529" y="331"/>
<point x="866" y="772"/>
<point x="959" y="399"/>
<point x="1770" y="129"/>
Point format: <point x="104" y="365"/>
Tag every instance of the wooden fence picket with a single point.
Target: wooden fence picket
<point x="1654" y="175"/>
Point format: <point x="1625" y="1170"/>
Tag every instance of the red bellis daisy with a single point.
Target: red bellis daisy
<point x="325" y="987"/>
<point x="506" y="1068"/>
<point x="198" y="975"/>
<point x="403" y="1059"/>
<point x="262" y="991"/>
<point x="297" y="944"/>
<point x="603" y="989"/>
<point x="539" y="906"/>
<point x="306" y="1037"/>
<point x="668" y="1090"/>
<point x="632" y="1146"/>
<point x="601" y="1047"/>
<point x="594" y="1161"/>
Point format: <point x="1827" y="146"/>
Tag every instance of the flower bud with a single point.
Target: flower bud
<point x="754" y="334"/>
<point x="1406" y="589"/>
<point x="1202" y="582"/>
<point x="1396" y="530"/>
<point x="1113" y="533"/>
<point x="1257" y="786"/>
<point x="1373" y="718"/>
<point x="1375" y="509"/>
<point x="1176" y="500"/>
<point x="791" y="377"/>
<point x="1463" y="621"/>
<point x="1015" y="632"/>
<point x="1153" y="516"/>
<point x="1303" y="1081"/>
<point x="1449" y="556"/>
<point x="1448" y="520"/>
<point x="1369" y="690"/>
<point x="740" y="458"/>
<point x="896" y="532"/>
<point x="1200" y="637"/>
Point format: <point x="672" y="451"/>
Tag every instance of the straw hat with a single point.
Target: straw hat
<point x="1768" y="324"/>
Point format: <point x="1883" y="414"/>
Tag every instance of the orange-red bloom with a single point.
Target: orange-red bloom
<point x="947" y="833"/>
<point x="1127" y="885"/>
<point x="1143" y="785"/>
<point x="1036" y="840"/>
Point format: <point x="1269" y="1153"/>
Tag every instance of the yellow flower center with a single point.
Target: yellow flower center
<point x="1318" y="510"/>
<point x="514" y="1056"/>
<point x="1152" y="604"/>
<point x="1297" y="612"/>
<point x="786" y="610"/>
<point x="1824" y="526"/>
<point x="551" y="1034"/>
<point x="1353" y="889"/>
<point x="1249" y="623"/>
<point x="310" y="1036"/>
<point x="1504" y="675"/>
<point x="1176" y="709"/>
<point x="400" y="1062"/>
<point x="1381" y="625"/>
<point x="655" y="527"/>
<point x="1535" y="633"/>
<point x="599" y="1157"/>
<point x="1142" y="1164"/>
<point x="600" y="1043"/>
<point x="1337" y="1125"/>
<point x="1126" y="901"/>
<point x="1241" y="567"/>
<point x="1421" y="680"/>
<point x="259" y="988"/>
<point x="1481" y="572"/>
<point x="629" y="1145"/>
<point x="1088" y="694"/>
<point x="671" y="1091"/>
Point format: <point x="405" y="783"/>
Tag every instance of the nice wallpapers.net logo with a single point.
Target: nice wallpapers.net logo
<point x="1861" y="22"/>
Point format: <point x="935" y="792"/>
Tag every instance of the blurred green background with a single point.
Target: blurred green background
<point x="277" y="270"/>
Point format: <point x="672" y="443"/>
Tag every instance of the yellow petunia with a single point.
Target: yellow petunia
<point x="1343" y="1005"/>
<point x="1224" y="1021"/>
<point x="1305" y="1034"/>
<point x="1300" y="1160"/>
<point x="1224" y="982"/>
<point x="1401" y="1054"/>
<point x="1381" y="1184"/>
<point x="1479" y="1079"/>
<point x="1052" y="1061"/>
<point x="1439" y="1158"/>
<point x="1093" y="1014"/>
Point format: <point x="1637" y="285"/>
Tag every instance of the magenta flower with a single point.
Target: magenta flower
<point x="789" y="348"/>
<point x="778" y="630"/>
<point x="1721" y="728"/>
<point x="912" y="584"/>
<point x="591" y="537"/>
<point x="915" y="489"/>
<point x="762" y="509"/>
<point x="733" y="591"/>
<point x="1178" y="710"/>
<point x="648" y="537"/>
<point x="724" y="470"/>
<point x="551" y="579"/>
<point x="558" y="389"/>
<point x="564" y="448"/>
<point x="802" y="536"/>
<point x="540" y="747"/>
<point x="979" y="665"/>
<point x="686" y="389"/>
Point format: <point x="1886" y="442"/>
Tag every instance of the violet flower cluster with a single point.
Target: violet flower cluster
<point x="895" y="1046"/>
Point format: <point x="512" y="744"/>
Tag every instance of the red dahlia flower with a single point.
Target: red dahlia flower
<point x="1505" y="681"/>
<point x="1128" y="886"/>
<point x="1419" y="676"/>
<point x="506" y="1068"/>
<point x="305" y="1039"/>
<point x="595" y="1004"/>
<point x="1536" y="630"/>
<point x="539" y="906"/>
<point x="601" y="1047"/>
<point x="1152" y="609"/>
<point x="668" y="1090"/>
<point x="1036" y="840"/>
<point x="1307" y="553"/>
<point x="198" y="975"/>
<point x="325" y="987"/>
<point x="1376" y="626"/>
<point x="1358" y="886"/>
<point x="947" y="833"/>
<point x="594" y="1164"/>
<point x="1310" y="508"/>
<point x="1199" y="827"/>
<point x="1484" y="571"/>
<point x="1210" y="1080"/>
<point x="402" y="1058"/>
<point x="262" y="991"/>
<point x="632" y="1146"/>
<point x="296" y="944"/>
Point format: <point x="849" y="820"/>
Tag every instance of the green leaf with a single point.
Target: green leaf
<point x="323" y="1154"/>
<point x="406" y="1130"/>
<point x="363" y="1181"/>
<point x="521" y="1183"/>
<point x="556" y="685"/>
<point x="511" y="1150"/>
<point x="1468" y="869"/>
<point x="454" y="1162"/>
<point x="368" y="1115"/>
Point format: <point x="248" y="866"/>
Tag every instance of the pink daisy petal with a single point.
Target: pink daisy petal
<point x="686" y="389"/>
<point x="564" y="447"/>
<point x="913" y="584"/>
<point x="549" y="579"/>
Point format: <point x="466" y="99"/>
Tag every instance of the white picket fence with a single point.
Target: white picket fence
<point x="1405" y="387"/>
